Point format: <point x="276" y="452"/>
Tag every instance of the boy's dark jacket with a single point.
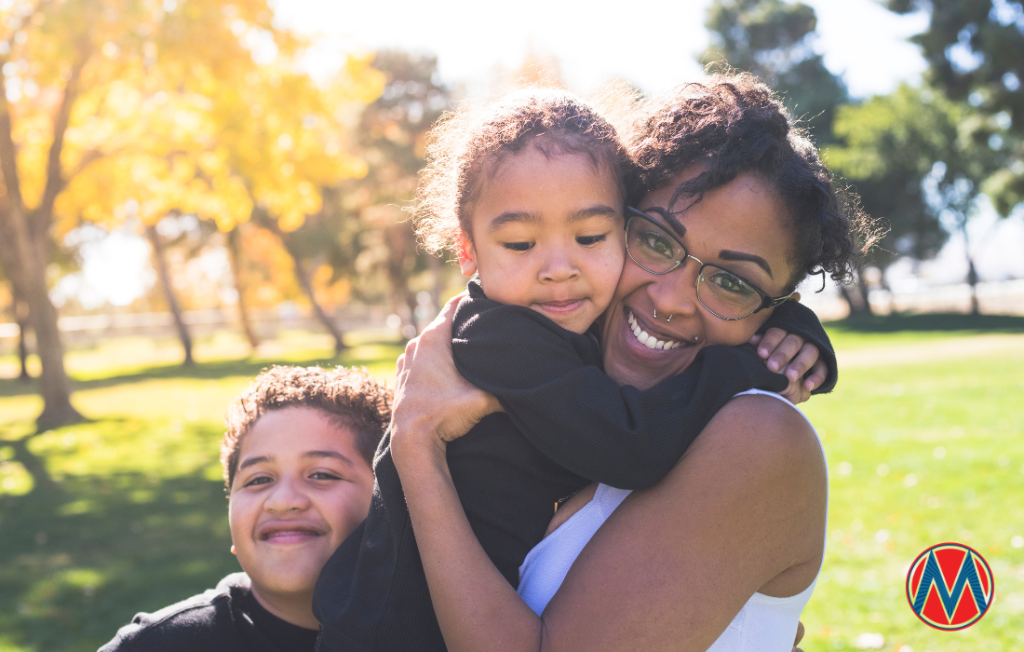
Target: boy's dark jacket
<point x="566" y="424"/>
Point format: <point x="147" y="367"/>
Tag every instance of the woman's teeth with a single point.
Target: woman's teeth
<point x="647" y="339"/>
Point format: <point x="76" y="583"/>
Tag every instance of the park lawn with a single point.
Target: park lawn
<point x="136" y="517"/>
<point x="918" y="455"/>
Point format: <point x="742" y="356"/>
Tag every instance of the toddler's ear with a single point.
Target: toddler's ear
<point x="467" y="255"/>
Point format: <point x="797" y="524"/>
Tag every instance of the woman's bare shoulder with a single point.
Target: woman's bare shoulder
<point x="765" y="426"/>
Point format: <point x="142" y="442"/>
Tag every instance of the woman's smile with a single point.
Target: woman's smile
<point x="649" y="336"/>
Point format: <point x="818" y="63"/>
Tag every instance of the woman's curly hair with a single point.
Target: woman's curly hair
<point x="350" y="398"/>
<point x="468" y="143"/>
<point x="732" y="124"/>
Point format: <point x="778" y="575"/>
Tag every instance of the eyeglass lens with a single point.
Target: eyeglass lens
<point x="719" y="290"/>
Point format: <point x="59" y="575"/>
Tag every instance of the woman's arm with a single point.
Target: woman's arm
<point x="742" y="511"/>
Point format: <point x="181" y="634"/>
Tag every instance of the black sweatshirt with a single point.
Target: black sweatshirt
<point x="566" y="424"/>
<point x="225" y="619"/>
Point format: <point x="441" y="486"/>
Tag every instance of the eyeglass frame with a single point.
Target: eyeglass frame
<point x="767" y="300"/>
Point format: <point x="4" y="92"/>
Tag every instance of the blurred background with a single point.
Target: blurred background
<point x="193" y="190"/>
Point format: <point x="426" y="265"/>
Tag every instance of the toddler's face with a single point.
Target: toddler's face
<point x="548" y="235"/>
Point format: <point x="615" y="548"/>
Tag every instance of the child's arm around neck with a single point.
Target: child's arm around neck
<point x="551" y="385"/>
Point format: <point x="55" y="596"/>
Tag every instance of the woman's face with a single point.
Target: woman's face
<point x="741" y="226"/>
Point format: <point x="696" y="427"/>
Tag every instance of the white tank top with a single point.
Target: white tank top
<point x="764" y="624"/>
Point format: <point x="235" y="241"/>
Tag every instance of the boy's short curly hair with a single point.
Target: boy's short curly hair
<point x="466" y="144"/>
<point x="732" y="124"/>
<point x="351" y="398"/>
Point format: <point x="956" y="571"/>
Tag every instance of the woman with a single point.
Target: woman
<point x="738" y="526"/>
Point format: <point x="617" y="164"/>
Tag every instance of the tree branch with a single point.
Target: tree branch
<point x="54" y="174"/>
<point x="8" y="151"/>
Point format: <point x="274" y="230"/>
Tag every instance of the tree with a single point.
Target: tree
<point x="286" y="141"/>
<point x="164" y="274"/>
<point x="392" y="140"/>
<point x="237" y="132"/>
<point x="240" y="277"/>
<point x="774" y="39"/>
<point x="19" y="313"/>
<point x="82" y="78"/>
<point x="916" y="160"/>
<point x="975" y="50"/>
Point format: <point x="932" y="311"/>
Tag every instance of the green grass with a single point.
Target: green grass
<point x="130" y="514"/>
<point x="136" y="517"/>
<point x="920" y="455"/>
<point x="897" y="329"/>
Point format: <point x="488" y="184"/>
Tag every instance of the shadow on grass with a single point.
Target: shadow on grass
<point x="931" y="322"/>
<point x="213" y="370"/>
<point x="78" y="561"/>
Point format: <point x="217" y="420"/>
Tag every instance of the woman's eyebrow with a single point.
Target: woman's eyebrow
<point x="673" y="224"/>
<point x="725" y="254"/>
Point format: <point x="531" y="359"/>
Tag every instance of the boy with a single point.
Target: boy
<point x="296" y="458"/>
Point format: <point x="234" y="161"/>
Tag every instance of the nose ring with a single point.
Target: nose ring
<point x="656" y="316"/>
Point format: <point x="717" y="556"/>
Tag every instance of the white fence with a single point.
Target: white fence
<point x="997" y="297"/>
<point x="267" y="322"/>
<point x="1003" y="297"/>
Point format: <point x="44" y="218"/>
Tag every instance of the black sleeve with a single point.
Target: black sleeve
<point x="797" y="318"/>
<point x="550" y="384"/>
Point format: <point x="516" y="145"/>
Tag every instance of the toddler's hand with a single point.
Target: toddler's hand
<point x="789" y="355"/>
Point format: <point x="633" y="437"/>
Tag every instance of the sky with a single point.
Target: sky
<point x="653" y="44"/>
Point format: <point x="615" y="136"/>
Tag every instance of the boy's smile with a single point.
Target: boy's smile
<point x="547" y="234"/>
<point x="301" y="488"/>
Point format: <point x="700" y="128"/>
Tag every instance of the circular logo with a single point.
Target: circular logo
<point x="950" y="586"/>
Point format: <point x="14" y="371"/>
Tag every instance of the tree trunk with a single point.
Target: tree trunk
<point x="28" y="279"/>
<point x="235" y="254"/>
<point x="24" y="247"/>
<point x="304" y="278"/>
<point x="160" y="261"/>
<point x="21" y="317"/>
<point x="972" y="273"/>
<point x="398" y="276"/>
<point x="856" y="297"/>
<point x="54" y="385"/>
<point x="306" y="283"/>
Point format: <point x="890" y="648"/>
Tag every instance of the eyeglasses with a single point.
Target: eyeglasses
<point x="723" y="293"/>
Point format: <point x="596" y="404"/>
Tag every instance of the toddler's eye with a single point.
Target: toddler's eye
<point x="518" y="246"/>
<point x="587" y="240"/>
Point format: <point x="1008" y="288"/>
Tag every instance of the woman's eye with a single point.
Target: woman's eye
<point x="588" y="240"/>
<point x="732" y="284"/>
<point x="259" y="480"/>
<point x="324" y="475"/>
<point x="657" y="244"/>
<point x="518" y="246"/>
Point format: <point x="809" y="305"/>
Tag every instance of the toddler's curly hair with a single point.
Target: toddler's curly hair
<point x="350" y="398"/>
<point x="467" y="144"/>
<point x="733" y="123"/>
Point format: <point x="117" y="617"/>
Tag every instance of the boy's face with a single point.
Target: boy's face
<point x="300" y="489"/>
<point x="547" y="234"/>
